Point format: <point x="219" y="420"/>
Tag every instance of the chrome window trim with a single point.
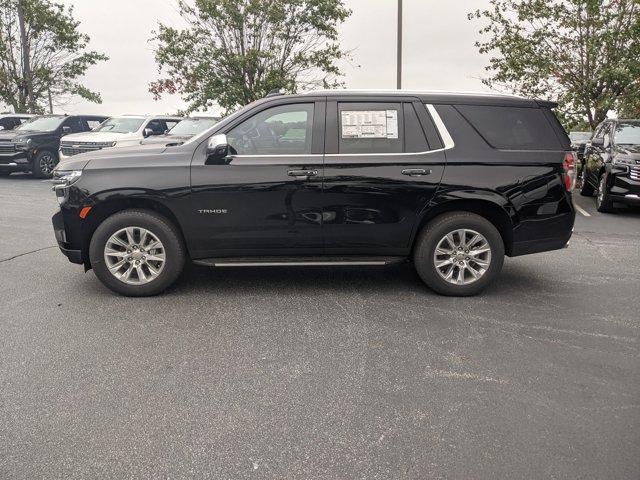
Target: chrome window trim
<point x="440" y="126"/>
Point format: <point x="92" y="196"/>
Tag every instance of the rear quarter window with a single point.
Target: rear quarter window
<point x="512" y="128"/>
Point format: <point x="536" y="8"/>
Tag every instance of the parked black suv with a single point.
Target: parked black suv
<point x="452" y="181"/>
<point x="33" y="146"/>
<point x="612" y="164"/>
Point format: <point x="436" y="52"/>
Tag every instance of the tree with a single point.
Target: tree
<point x="584" y="53"/>
<point x="43" y="63"/>
<point x="236" y="51"/>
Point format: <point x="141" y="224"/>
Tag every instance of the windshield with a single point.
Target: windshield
<point x="192" y="126"/>
<point x="580" y="136"/>
<point x="41" y="124"/>
<point x="120" y="125"/>
<point x="628" y="134"/>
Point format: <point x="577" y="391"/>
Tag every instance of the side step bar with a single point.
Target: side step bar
<point x="298" y="261"/>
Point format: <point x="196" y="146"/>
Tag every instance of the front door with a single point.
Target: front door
<point x="266" y="197"/>
<point x="383" y="163"/>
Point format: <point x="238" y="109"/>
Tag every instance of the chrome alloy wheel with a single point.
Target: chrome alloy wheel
<point x="47" y="163"/>
<point x="602" y="186"/>
<point x="462" y="256"/>
<point x="134" y="255"/>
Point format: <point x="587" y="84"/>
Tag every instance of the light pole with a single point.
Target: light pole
<point x="399" y="43"/>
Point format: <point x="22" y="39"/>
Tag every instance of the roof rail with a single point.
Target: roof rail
<point x="273" y="93"/>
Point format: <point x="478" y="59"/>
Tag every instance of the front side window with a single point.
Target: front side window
<point x="75" y="124"/>
<point x="366" y="128"/>
<point x="627" y="134"/>
<point x="192" y="126"/>
<point x="281" y="130"/>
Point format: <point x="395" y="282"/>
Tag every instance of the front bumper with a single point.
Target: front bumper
<point x="14" y="162"/>
<point x="71" y="251"/>
<point x="624" y="184"/>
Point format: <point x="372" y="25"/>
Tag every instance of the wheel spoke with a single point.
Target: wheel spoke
<point x="130" y="238"/>
<point x="118" y="241"/>
<point x="134" y="266"/>
<point x="117" y="266"/>
<point x="456" y="265"/>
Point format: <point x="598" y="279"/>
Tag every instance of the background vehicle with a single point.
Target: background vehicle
<point x="612" y="164"/>
<point x="579" y="141"/>
<point x="33" y="146"/>
<point x="452" y="181"/>
<point x="9" y="121"/>
<point x="121" y="131"/>
<point x="184" y="130"/>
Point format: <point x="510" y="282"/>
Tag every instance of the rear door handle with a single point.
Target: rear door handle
<point x="416" y="172"/>
<point x="302" y="173"/>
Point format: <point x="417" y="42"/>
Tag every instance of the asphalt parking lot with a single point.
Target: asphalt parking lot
<point x="320" y="373"/>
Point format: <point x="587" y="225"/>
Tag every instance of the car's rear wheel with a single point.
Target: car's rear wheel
<point x="137" y="253"/>
<point x="603" y="201"/>
<point x="43" y="164"/>
<point x="459" y="254"/>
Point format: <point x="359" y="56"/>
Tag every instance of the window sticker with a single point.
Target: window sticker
<point x="369" y="123"/>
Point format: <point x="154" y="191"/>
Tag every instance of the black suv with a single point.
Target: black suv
<point x="612" y="164"/>
<point x="451" y="181"/>
<point x="33" y="146"/>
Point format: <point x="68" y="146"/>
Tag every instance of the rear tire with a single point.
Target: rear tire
<point x="434" y="268"/>
<point x="43" y="164"/>
<point x="135" y="268"/>
<point x="603" y="201"/>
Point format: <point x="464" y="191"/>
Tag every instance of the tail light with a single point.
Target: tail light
<point x="569" y="171"/>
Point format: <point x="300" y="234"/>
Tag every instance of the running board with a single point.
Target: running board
<point x="298" y="261"/>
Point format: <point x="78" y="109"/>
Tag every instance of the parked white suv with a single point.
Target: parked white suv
<point x="126" y="130"/>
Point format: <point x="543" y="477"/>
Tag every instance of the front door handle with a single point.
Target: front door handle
<point x="302" y="173"/>
<point x="416" y="172"/>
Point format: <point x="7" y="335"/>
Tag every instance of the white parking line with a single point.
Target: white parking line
<point x="581" y="210"/>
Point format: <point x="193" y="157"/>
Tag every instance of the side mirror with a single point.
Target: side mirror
<point x="66" y="130"/>
<point x="1" y="127"/>
<point x="147" y="132"/>
<point x="217" y="150"/>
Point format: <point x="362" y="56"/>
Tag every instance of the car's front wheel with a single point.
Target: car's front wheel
<point x="43" y="164"/>
<point x="137" y="253"/>
<point x="603" y="200"/>
<point x="459" y="254"/>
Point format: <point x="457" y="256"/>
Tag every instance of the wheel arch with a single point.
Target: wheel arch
<point x="491" y="210"/>
<point x="101" y="211"/>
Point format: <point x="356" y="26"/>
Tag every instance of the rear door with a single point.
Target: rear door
<point x="384" y="161"/>
<point x="266" y="199"/>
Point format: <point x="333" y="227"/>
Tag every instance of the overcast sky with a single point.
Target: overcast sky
<point x="439" y="52"/>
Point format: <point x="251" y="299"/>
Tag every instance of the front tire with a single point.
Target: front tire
<point x="137" y="253"/>
<point x="586" y="190"/>
<point x="603" y="201"/>
<point x="43" y="164"/>
<point x="459" y="254"/>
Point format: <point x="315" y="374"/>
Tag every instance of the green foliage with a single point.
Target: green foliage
<point x="583" y="53"/>
<point x="235" y="51"/>
<point x="57" y="53"/>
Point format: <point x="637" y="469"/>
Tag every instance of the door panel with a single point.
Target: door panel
<point x="259" y="203"/>
<point x="373" y="198"/>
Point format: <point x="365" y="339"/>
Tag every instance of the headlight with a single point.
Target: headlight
<point x="22" y="143"/>
<point x="65" y="178"/>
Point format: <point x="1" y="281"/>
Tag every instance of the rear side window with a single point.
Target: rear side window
<point x="512" y="128"/>
<point x="370" y="128"/>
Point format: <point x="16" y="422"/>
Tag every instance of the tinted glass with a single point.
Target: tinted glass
<point x="75" y="124"/>
<point x="282" y="130"/>
<point x="628" y="134"/>
<point x="157" y="126"/>
<point x="414" y="139"/>
<point x="370" y="128"/>
<point x="93" y="124"/>
<point x="512" y="128"/>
